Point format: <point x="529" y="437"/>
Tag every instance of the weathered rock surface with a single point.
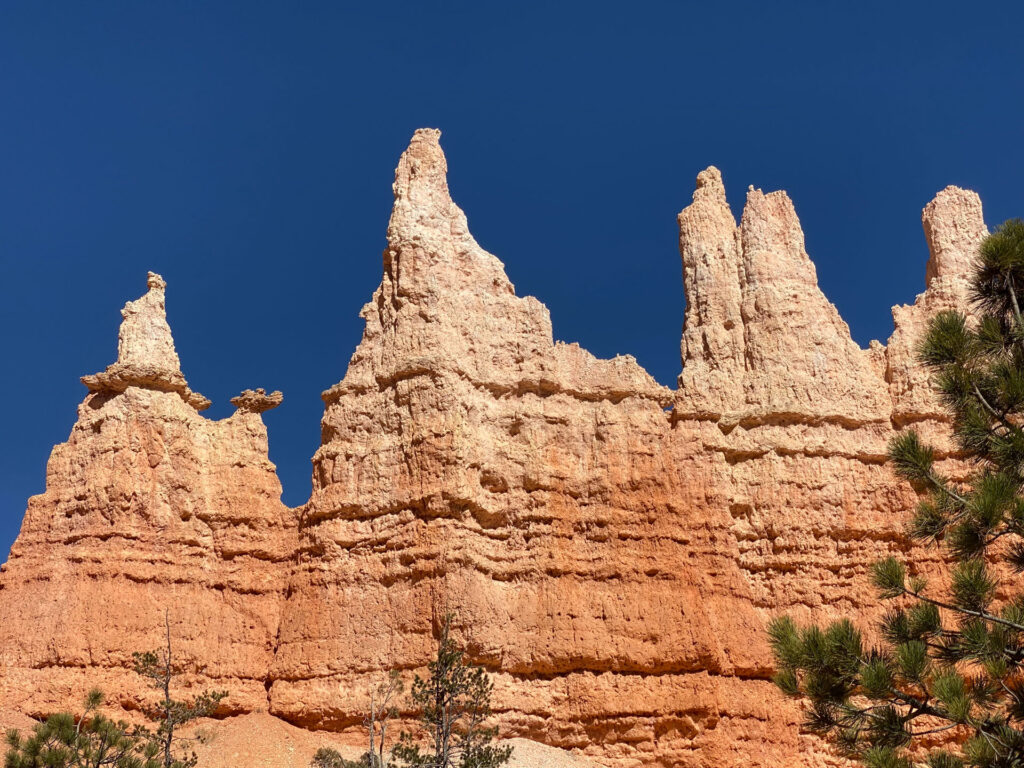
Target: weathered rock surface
<point x="470" y="463"/>
<point x="805" y="425"/>
<point x="145" y="351"/>
<point x="611" y="548"/>
<point x="148" y="507"/>
<point x="257" y="400"/>
<point x="954" y="228"/>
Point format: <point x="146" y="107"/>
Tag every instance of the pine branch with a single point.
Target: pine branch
<point x="1001" y="418"/>
<point x="966" y="611"/>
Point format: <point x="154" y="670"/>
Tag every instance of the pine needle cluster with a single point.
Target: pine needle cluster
<point x="88" y="740"/>
<point x="92" y="740"/>
<point x="951" y="660"/>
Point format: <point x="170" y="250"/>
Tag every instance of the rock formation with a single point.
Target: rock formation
<point x="610" y="548"/>
<point x="470" y="463"/>
<point x="804" y="417"/>
<point x="145" y="351"/>
<point x="257" y="401"/>
<point x="149" y="507"/>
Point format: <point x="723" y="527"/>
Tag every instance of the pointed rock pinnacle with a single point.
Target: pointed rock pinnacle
<point x="712" y="344"/>
<point x="709" y="185"/>
<point x="144" y="339"/>
<point x="430" y="249"/>
<point x="145" y="351"/>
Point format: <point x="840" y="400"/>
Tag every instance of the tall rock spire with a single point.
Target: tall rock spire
<point x="801" y="359"/>
<point x="760" y="338"/>
<point x="712" y="347"/>
<point x="430" y="249"/>
<point x="444" y="303"/>
<point x="446" y="307"/>
<point x="954" y="227"/>
<point x="144" y="339"/>
<point x="145" y="351"/>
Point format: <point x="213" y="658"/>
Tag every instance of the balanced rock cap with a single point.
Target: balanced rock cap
<point x="257" y="400"/>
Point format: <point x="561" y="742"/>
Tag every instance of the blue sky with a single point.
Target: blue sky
<point x="246" y="151"/>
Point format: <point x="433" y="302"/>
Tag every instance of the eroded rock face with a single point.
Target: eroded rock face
<point x="471" y="464"/>
<point x="954" y="228"/>
<point x="803" y="428"/>
<point x="611" y="549"/>
<point x="149" y="507"/>
<point x="257" y="400"/>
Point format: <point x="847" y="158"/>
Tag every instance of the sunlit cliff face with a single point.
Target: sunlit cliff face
<point x="610" y="548"/>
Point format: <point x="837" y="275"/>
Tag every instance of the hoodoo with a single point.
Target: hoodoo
<point x="471" y="462"/>
<point x="149" y="507"/>
<point x="611" y="549"/>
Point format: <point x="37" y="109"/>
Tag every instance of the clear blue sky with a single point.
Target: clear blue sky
<point x="245" y="151"/>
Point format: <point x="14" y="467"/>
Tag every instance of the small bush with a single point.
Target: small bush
<point x="326" y="757"/>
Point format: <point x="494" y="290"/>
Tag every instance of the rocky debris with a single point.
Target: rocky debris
<point x="259" y="740"/>
<point x="612" y="548"/>
<point x="257" y="400"/>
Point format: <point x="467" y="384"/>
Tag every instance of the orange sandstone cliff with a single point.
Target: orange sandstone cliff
<point x="148" y="507"/>
<point x="612" y="548"/>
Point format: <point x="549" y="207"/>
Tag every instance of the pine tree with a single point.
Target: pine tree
<point x="89" y="740"/>
<point x="951" y="661"/>
<point x="454" y="701"/>
<point x="170" y="714"/>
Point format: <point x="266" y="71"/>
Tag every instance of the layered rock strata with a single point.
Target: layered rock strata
<point x="471" y="464"/>
<point x="149" y="508"/>
<point x="610" y="548"/>
<point x="800" y="415"/>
